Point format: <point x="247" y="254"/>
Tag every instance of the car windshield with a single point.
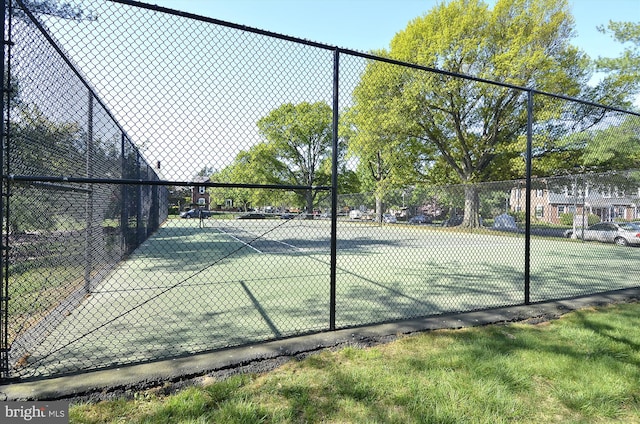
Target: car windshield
<point x="630" y="226"/>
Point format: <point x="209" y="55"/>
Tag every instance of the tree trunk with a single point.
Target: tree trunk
<point x="379" y="208"/>
<point x="471" y="207"/>
<point x="309" y="198"/>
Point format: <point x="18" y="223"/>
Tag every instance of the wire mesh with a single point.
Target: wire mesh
<point x="169" y="191"/>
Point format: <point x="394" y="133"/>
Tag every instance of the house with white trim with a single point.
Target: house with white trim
<point x="548" y="206"/>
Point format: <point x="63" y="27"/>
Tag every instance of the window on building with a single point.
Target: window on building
<point x="619" y="211"/>
<point x="561" y="209"/>
<point x="202" y="201"/>
<point x="539" y="193"/>
<point x="572" y="190"/>
<point x="539" y="211"/>
<point x="202" y="189"/>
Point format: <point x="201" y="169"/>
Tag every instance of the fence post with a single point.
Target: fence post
<point x="4" y="278"/>
<point x="139" y="215"/>
<point x="88" y="265"/>
<point x="124" y="211"/>
<point x="527" y="219"/>
<point x="334" y="191"/>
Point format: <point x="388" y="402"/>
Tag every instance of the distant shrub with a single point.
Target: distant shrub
<point x="566" y="219"/>
<point x="518" y="216"/>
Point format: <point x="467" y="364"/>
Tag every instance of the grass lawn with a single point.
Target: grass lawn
<point x="582" y="368"/>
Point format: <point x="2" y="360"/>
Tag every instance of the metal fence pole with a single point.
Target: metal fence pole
<point x="88" y="265"/>
<point x="139" y="215"/>
<point x="527" y="234"/>
<point x="334" y="191"/>
<point x="4" y="280"/>
<point x="124" y="211"/>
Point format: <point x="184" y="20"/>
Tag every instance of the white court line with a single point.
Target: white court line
<point x="286" y="244"/>
<point x="237" y="239"/>
<point x="257" y="250"/>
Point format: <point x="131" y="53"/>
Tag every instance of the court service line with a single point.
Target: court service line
<point x="260" y="238"/>
<point x="237" y="239"/>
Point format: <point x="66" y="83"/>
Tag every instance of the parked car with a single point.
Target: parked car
<point x="195" y="213"/>
<point x="252" y="215"/>
<point x="454" y="221"/>
<point x="355" y="214"/>
<point x="287" y="215"/>
<point x="389" y="218"/>
<point x="505" y="222"/>
<point x="620" y="233"/>
<point x="419" y="219"/>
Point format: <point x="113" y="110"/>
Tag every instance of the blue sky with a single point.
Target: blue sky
<point x="371" y="24"/>
<point x="155" y="82"/>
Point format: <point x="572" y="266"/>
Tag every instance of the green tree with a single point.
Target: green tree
<point x="615" y="148"/>
<point x="55" y="8"/>
<point x="463" y="131"/>
<point x="623" y="71"/>
<point x="39" y="146"/>
<point x="258" y="165"/>
<point x="299" y="139"/>
<point x="386" y="159"/>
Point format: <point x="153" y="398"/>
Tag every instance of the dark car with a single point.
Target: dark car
<point x="252" y="215"/>
<point x="419" y="219"/>
<point x="195" y="213"/>
<point x="287" y="215"/>
<point x="454" y="221"/>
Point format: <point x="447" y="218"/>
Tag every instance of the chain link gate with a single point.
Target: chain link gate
<point x="159" y="201"/>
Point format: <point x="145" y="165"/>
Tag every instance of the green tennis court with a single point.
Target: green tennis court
<point x="196" y="287"/>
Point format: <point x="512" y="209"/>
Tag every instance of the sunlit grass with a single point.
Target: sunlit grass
<point x="582" y="368"/>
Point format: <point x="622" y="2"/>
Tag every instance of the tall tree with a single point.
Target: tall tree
<point x="386" y="159"/>
<point x="464" y="130"/>
<point x="55" y="8"/>
<point x="623" y="71"/>
<point x="300" y="137"/>
<point x="254" y="166"/>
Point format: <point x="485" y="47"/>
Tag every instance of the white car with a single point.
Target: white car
<point x="355" y="214"/>
<point x="620" y="233"/>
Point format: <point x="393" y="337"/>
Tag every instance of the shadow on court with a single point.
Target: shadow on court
<point x="188" y="290"/>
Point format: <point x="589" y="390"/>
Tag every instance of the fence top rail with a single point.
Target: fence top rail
<point x="175" y="12"/>
<point x="43" y="180"/>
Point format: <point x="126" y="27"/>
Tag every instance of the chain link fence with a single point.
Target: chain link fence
<point x="174" y="184"/>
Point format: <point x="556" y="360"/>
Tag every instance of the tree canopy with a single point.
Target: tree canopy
<point x="623" y="71"/>
<point x="455" y="130"/>
<point x="299" y="138"/>
<point x="57" y="8"/>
